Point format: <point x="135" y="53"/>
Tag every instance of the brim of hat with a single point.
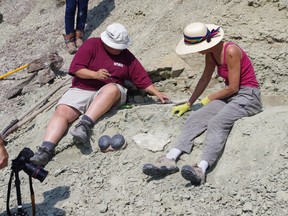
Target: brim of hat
<point x="108" y="42"/>
<point x="183" y="48"/>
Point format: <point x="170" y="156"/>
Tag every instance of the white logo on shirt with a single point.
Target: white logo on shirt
<point x="118" y="64"/>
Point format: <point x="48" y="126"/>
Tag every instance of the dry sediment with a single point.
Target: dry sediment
<point x="250" y="177"/>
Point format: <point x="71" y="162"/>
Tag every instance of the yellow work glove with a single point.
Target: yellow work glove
<point x="205" y="101"/>
<point x="181" y="109"/>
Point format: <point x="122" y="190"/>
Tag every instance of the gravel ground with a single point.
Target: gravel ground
<point x="250" y="177"/>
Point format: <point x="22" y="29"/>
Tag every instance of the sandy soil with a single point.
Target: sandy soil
<point x="250" y="177"/>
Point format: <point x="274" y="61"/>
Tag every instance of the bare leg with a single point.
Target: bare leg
<point x="56" y="128"/>
<point x="107" y="97"/>
<point x="59" y="122"/>
<point x="102" y="102"/>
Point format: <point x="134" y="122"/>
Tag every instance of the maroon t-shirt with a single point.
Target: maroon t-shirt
<point x="93" y="56"/>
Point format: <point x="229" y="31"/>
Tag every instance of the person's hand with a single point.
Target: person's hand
<point x="163" y="98"/>
<point x="180" y="109"/>
<point x="205" y="101"/>
<point x="3" y="154"/>
<point x="102" y="74"/>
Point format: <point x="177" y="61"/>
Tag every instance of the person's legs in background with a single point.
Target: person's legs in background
<point x="81" y="21"/>
<point x="70" y="12"/>
<point x="69" y="36"/>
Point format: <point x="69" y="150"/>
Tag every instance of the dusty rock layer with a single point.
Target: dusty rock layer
<point x="250" y="177"/>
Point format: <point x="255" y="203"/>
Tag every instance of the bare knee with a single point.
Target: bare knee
<point x="66" y="113"/>
<point x="110" y="90"/>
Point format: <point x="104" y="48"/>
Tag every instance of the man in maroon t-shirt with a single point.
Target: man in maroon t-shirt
<point x="99" y="70"/>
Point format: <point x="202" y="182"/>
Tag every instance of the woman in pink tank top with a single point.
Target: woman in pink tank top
<point x="240" y="97"/>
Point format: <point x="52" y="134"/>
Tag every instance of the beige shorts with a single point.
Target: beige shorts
<point x="81" y="99"/>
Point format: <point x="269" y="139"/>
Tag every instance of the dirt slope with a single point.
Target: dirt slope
<point x="250" y="177"/>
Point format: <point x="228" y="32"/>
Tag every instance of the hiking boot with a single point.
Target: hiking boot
<point x="79" y="38"/>
<point x="42" y="156"/>
<point x="70" y="43"/>
<point x="194" y="174"/>
<point x="162" y="167"/>
<point x="82" y="132"/>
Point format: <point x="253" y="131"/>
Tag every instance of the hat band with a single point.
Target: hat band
<point x="208" y="36"/>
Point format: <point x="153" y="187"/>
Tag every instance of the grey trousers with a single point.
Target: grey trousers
<point x="217" y="118"/>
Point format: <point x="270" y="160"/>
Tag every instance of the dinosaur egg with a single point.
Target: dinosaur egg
<point x="117" y="141"/>
<point x="104" y="142"/>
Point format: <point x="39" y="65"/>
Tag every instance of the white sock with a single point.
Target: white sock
<point x="203" y="165"/>
<point x="173" y="153"/>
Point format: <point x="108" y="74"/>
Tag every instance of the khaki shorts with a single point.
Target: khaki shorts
<point x="81" y="99"/>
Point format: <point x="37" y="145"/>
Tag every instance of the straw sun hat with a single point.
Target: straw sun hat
<point x="116" y="37"/>
<point x="199" y="37"/>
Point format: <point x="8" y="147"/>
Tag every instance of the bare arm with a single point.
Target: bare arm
<point x="85" y="73"/>
<point x="154" y="91"/>
<point x="204" y="80"/>
<point x="233" y="58"/>
<point x="3" y="154"/>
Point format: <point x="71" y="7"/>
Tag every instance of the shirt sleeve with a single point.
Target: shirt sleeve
<point x="138" y="75"/>
<point x="82" y="57"/>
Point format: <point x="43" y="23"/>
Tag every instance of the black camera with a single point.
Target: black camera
<point x="22" y="162"/>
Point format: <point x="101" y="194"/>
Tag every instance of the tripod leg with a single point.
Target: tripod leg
<point x="8" y="194"/>
<point x="32" y="196"/>
<point x="18" y="192"/>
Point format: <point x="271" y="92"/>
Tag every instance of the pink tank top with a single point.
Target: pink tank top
<point x="247" y="73"/>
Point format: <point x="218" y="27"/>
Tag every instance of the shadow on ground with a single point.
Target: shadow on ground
<point x="51" y="197"/>
<point x="97" y="15"/>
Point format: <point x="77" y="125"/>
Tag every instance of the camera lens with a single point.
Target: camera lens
<point x="35" y="171"/>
